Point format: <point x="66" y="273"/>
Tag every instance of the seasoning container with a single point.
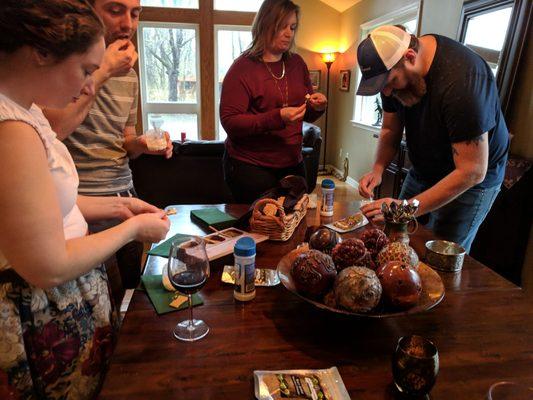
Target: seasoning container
<point x="244" y="253"/>
<point x="183" y="137"/>
<point x="328" y="189"/>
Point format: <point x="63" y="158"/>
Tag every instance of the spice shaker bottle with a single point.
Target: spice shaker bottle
<point x="244" y="252"/>
<point x="328" y="189"/>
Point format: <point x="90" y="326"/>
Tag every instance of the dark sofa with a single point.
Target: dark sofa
<point x="194" y="173"/>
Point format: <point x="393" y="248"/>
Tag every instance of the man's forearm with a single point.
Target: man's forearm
<point x="444" y="191"/>
<point x="96" y="208"/>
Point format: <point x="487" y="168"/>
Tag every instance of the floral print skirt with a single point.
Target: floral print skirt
<point x="55" y="343"/>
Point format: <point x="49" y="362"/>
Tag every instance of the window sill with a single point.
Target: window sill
<point x="370" y="128"/>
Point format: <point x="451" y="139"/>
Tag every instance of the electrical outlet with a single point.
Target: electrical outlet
<point x="340" y="152"/>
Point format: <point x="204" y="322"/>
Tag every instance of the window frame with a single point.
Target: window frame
<point x="398" y="16"/>
<point x="168" y="107"/>
<point x="514" y="44"/>
<point x="217" y="28"/>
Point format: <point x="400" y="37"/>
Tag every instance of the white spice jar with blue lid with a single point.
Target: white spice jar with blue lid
<point x="328" y="189"/>
<point x="244" y="253"/>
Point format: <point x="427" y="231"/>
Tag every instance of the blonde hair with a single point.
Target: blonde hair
<point x="267" y="23"/>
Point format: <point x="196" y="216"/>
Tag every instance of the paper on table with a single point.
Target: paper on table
<point x="162" y="298"/>
<point x="212" y="216"/>
<point x="163" y="249"/>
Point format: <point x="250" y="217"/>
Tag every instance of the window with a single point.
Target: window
<point x="170" y="3"/>
<point x="180" y="58"/>
<point x="230" y="42"/>
<point x="238" y="5"/>
<point x="169" y="77"/>
<point x="368" y="111"/>
<point x="498" y="31"/>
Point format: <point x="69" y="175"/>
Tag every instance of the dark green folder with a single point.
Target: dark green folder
<point x="212" y="216"/>
<point x="163" y="249"/>
<point x="161" y="298"/>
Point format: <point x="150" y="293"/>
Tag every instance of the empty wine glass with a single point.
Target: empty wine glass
<point x="415" y="365"/>
<point x="188" y="270"/>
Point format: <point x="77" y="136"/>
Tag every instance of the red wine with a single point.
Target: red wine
<point x="188" y="282"/>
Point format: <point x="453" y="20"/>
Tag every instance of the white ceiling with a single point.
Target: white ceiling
<point x="340" y="5"/>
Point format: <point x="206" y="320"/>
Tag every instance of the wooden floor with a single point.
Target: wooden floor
<point x="343" y="191"/>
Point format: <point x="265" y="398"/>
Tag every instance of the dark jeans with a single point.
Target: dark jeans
<point x="459" y="220"/>
<point x="128" y="257"/>
<point x="248" y="182"/>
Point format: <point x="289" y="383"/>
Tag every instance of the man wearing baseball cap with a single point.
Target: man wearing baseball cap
<point x="445" y="98"/>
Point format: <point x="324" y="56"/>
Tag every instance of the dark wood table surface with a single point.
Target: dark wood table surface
<point x="483" y="330"/>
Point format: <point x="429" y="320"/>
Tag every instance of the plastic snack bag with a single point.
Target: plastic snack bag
<point x="300" y="384"/>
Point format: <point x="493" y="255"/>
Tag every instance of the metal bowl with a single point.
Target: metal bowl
<point x="444" y="255"/>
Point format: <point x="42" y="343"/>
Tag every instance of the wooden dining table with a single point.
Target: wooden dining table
<point x="483" y="330"/>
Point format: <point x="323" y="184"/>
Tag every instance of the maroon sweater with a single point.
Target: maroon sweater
<point x="250" y="106"/>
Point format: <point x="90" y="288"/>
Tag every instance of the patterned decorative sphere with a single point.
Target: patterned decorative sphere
<point x="398" y="251"/>
<point x="313" y="273"/>
<point x="357" y="289"/>
<point x="374" y="240"/>
<point x="351" y="252"/>
<point x="324" y="240"/>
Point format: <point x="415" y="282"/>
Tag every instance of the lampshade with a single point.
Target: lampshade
<point x="329" y="57"/>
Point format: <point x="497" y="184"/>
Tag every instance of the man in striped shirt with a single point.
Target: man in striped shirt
<point x="99" y="130"/>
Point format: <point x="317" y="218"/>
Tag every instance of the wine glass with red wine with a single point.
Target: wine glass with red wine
<point x="188" y="270"/>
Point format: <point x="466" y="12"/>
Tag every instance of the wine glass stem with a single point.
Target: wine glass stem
<point x="190" y="312"/>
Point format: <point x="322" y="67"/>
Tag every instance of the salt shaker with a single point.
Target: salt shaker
<point x="328" y="189"/>
<point x="244" y="252"/>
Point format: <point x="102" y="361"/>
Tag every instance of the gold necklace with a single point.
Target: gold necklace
<point x="284" y="100"/>
<point x="271" y="73"/>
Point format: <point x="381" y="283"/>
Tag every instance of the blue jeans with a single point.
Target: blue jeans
<point x="459" y="220"/>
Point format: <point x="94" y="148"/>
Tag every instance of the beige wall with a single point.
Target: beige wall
<point x="319" y="26"/>
<point x="318" y="32"/>
<point x="344" y="138"/>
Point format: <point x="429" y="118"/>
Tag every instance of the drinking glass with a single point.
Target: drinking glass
<point x="415" y="365"/>
<point x="188" y="270"/>
<point x="506" y="390"/>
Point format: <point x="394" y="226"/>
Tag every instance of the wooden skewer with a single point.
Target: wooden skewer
<point x="213" y="228"/>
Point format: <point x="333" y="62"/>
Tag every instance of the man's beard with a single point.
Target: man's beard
<point x="413" y="93"/>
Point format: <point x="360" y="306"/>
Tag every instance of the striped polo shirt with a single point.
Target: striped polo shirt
<point x="97" y="146"/>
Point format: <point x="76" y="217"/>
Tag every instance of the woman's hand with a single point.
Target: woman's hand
<point x="128" y="207"/>
<point x="318" y="101"/>
<point x="151" y="227"/>
<point x="291" y="115"/>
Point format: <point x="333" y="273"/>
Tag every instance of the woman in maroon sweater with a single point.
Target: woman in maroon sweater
<point x="263" y="103"/>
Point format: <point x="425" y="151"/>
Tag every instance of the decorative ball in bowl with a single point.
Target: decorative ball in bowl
<point x="360" y="290"/>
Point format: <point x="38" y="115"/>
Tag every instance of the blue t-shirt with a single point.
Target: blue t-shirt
<point x="461" y="104"/>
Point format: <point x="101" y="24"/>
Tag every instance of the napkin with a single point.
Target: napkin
<point x="161" y="298"/>
<point x="212" y="216"/>
<point x="163" y="249"/>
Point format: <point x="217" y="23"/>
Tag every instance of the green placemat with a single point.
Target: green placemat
<point x="212" y="216"/>
<point x="161" y="298"/>
<point x="164" y="248"/>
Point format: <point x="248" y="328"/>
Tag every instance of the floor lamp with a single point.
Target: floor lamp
<point x="328" y="59"/>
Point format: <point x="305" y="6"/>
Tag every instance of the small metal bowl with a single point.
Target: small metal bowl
<point x="444" y="255"/>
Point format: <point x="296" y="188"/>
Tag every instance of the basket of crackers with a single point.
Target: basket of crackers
<point x="270" y="218"/>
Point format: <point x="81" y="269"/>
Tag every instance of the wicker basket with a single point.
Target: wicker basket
<point x="280" y="226"/>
